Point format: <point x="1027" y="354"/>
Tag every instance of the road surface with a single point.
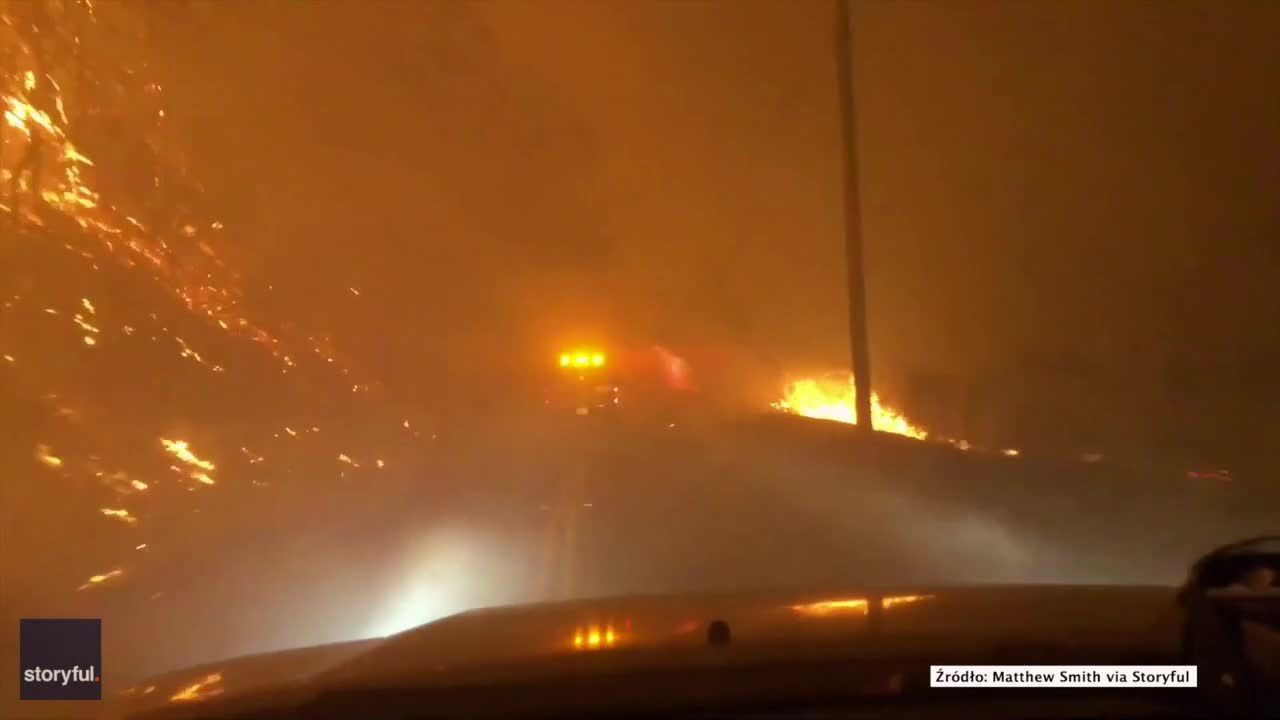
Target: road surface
<point x="784" y="501"/>
<point x="521" y="509"/>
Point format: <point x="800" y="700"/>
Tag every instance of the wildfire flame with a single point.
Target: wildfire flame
<point x="65" y="186"/>
<point x="181" y="450"/>
<point x="826" y="399"/>
<point x="55" y="193"/>
<point x="204" y="688"/>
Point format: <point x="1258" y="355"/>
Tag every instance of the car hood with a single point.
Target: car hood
<point x="588" y="638"/>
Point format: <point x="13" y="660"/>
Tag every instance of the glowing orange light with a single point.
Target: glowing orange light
<point x="596" y="637"/>
<point x="823" y="608"/>
<point x="895" y="600"/>
<point x="46" y="456"/>
<point x="204" y="688"/>
<point x="99" y="579"/>
<point x="181" y="450"/>
<point x="834" y="400"/>
<point x="121" y="514"/>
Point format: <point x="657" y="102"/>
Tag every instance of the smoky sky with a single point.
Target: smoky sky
<point x="447" y="187"/>
<point x="1096" y="180"/>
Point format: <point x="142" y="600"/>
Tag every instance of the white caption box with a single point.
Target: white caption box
<point x="1047" y="676"/>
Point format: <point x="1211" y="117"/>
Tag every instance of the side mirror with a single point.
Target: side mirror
<point x="1232" y="603"/>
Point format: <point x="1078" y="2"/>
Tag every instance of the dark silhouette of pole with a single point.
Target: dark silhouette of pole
<point x="858" y="344"/>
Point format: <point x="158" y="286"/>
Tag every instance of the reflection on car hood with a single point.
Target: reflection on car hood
<point x="236" y="675"/>
<point x="535" y="643"/>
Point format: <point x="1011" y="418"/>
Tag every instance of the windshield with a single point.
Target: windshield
<point x="322" y="320"/>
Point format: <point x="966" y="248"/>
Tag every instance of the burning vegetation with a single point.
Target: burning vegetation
<point x="140" y="370"/>
<point x="833" y="399"/>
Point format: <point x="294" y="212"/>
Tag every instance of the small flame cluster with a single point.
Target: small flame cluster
<point x="200" y="469"/>
<point x="835" y="399"/>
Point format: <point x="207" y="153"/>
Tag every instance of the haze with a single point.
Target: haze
<point x="1069" y="213"/>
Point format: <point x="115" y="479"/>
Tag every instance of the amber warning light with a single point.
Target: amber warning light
<point x="582" y="359"/>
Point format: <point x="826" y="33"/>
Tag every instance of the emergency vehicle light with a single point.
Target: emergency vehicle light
<point x="582" y="360"/>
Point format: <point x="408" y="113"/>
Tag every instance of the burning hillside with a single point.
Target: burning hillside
<point x="143" y="388"/>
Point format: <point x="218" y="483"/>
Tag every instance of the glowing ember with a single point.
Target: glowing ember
<point x="45" y="455"/>
<point x="206" y="687"/>
<point x="121" y="514"/>
<point x="186" y="352"/>
<point x="834" y="400"/>
<point x="84" y="325"/>
<point x="99" y="579"/>
<point x="180" y="450"/>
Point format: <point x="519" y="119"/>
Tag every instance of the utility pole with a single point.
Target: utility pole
<point x="858" y="344"/>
